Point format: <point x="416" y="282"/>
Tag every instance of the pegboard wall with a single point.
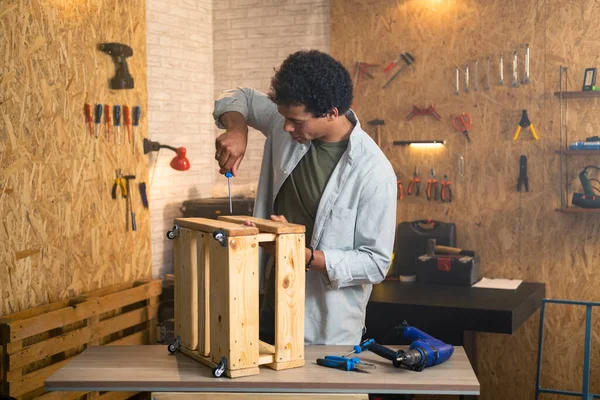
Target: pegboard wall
<point x="517" y="234"/>
<point x="62" y="233"/>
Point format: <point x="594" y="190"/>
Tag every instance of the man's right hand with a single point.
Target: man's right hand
<point x="231" y="145"/>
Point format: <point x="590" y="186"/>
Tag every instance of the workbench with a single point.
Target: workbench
<point x="151" y="368"/>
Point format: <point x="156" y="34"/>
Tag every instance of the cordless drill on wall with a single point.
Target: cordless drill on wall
<point x="589" y="198"/>
<point x="119" y="53"/>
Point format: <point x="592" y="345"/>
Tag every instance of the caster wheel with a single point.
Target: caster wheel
<point x="170" y="235"/>
<point x="220" y="368"/>
<point x="221" y="237"/>
<point x="173" y="347"/>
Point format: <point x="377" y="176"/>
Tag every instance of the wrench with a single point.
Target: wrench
<point x="526" y="78"/>
<point x="515" y="83"/>
<point x="501" y="71"/>
<point x="487" y="76"/>
<point x="467" y="78"/>
<point x="476" y="84"/>
<point x="457" y="91"/>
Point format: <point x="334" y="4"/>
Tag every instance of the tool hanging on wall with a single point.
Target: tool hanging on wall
<point x="432" y="186"/>
<point x="119" y="182"/>
<point x="414" y="184"/>
<point x="127" y="117"/>
<point x="361" y="71"/>
<point x="525" y="80"/>
<point x="461" y="165"/>
<point x="87" y="109"/>
<point x="463" y="123"/>
<point x="487" y="74"/>
<point x="408" y="60"/>
<point x="457" y="88"/>
<point x="400" y="189"/>
<point x="515" y="83"/>
<point x="424" y="111"/>
<point x="590" y="197"/>
<point x="117" y="118"/>
<point x="98" y="118"/>
<point x="119" y="52"/>
<point x="143" y="194"/>
<point x="525" y="123"/>
<point x="523" y="178"/>
<point x="501" y="70"/>
<point x="467" y="78"/>
<point x="377" y="123"/>
<point x="107" y="119"/>
<point x="476" y="83"/>
<point x="130" y="201"/>
<point x="136" y="121"/>
<point x="446" y="190"/>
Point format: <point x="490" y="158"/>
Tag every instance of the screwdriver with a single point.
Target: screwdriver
<point x="88" y="116"/>
<point x="98" y="118"/>
<point x="229" y="175"/>
<point x="117" y="115"/>
<point x="107" y="119"/>
<point x="127" y="117"/>
<point x="361" y="347"/>
<point x="136" y="121"/>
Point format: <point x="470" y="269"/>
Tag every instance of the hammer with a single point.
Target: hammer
<point x="130" y="201"/>
<point x="377" y="123"/>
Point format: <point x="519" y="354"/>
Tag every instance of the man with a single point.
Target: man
<point x="320" y="170"/>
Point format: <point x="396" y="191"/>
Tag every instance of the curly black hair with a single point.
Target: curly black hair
<point x="313" y="79"/>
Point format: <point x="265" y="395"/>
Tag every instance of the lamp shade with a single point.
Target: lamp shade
<point x="180" y="161"/>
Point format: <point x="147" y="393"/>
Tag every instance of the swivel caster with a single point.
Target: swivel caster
<point x="173" y="347"/>
<point x="220" y="368"/>
<point x="173" y="233"/>
<point x="221" y="237"/>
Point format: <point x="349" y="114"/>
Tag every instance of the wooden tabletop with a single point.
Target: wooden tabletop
<point x="152" y="368"/>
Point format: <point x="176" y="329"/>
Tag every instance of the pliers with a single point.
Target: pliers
<point x="432" y="186"/>
<point x="400" y="189"/>
<point x="414" y="183"/>
<point x="525" y="123"/>
<point x="346" y="364"/>
<point x="119" y="182"/>
<point x="446" y="190"/>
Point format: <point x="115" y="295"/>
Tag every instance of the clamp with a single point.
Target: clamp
<point x="424" y="111"/>
<point x="525" y="123"/>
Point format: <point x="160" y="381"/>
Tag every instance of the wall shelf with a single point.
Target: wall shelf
<point x="578" y="152"/>
<point x="579" y="95"/>
<point x="577" y="210"/>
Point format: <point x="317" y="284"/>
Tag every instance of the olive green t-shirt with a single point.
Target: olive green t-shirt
<point x="299" y="196"/>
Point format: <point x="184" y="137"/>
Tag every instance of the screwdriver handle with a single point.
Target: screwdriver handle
<point x="98" y="113"/>
<point x="126" y="115"/>
<point x="228" y="174"/>
<point x="390" y="66"/>
<point x="383" y="351"/>
<point x="117" y="114"/>
<point x="88" y="117"/>
<point x="107" y="113"/>
<point x="136" y="115"/>
<point x="133" y="224"/>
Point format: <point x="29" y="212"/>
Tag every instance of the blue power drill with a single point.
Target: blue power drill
<point x="425" y="350"/>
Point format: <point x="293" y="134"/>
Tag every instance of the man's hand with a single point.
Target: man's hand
<point x="268" y="247"/>
<point x="279" y="218"/>
<point x="231" y="145"/>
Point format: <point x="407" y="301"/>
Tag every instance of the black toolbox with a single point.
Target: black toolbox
<point x="214" y="207"/>
<point x="448" y="269"/>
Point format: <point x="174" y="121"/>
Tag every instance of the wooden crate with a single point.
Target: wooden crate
<point x="216" y="293"/>
<point x="37" y="342"/>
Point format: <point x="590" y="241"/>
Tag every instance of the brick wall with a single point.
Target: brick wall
<point x="196" y="49"/>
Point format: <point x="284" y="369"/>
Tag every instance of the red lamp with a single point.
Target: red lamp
<point x="179" y="162"/>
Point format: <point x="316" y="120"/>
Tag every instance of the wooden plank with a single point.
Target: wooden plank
<point x="88" y="334"/>
<point x="212" y="225"/>
<point x="290" y="276"/>
<point x="266" y="225"/>
<point x="204" y="294"/>
<point x="97" y="305"/>
<point x="152" y="318"/>
<point x="138" y="338"/>
<point x="266" y="358"/>
<point x="266" y="237"/>
<point x="265" y="348"/>
<point x="34" y="380"/>
<point x="186" y="289"/>
<point x="234" y="302"/>
<point x="61" y="395"/>
<point x="116" y="395"/>
<point x="256" y="396"/>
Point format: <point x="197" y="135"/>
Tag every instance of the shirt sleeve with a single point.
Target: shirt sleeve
<point x="369" y="261"/>
<point x="258" y="110"/>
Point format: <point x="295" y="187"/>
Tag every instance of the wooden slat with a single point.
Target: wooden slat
<point x="34" y="380"/>
<point x="265" y="348"/>
<point x="256" y="396"/>
<point x="266" y="225"/>
<point x="186" y="289"/>
<point x="88" y="334"/>
<point x="266" y="237"/>
<point x="97" y="305"/>
<point x="116" y="395"/>
<point x="203" y="294"/>
<point x="137" y="338"/>
<point x="60" y="395"/>
<point x="289" y="300"/>
<point x="152" y="318"/>
<point x="211" y="225"/>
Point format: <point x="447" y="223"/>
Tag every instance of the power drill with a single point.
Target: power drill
<point x="119" y="53"/>
<point x="587" y="199"/>
<point x="425" y="350"/>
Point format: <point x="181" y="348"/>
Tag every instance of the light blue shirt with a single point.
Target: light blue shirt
<point x="355" y="221"/>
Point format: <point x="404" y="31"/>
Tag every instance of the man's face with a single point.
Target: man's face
<point x="302" y="126"/>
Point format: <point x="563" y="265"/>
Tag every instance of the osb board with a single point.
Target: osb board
<point x="517" y="235"/>
<point x="61" y="233"/>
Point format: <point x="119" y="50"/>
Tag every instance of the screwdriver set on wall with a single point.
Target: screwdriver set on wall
<point x="101" y="117"/>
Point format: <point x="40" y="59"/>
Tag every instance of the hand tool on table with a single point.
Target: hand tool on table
<point x="408" y="60"/>
<point x="136" y="121"/>
<point x="515" y="83"/>
<point x="377" y="123"/>
<point x="229" y="175"/>
<point x="117" y="118"/>
<point x="346" y="364"/>
<point x="432" y="186"/>
<point x="476" y="83"/>
<point x="400" y="189"/>
<point x="424" y="111"/>
<point x="453" y="250"/>
<point x="359" y="348"/>
<point x="524" y="123"/>
<point x="501" y="70"/>
<point x="446" y="190"/>
<point x="98" y="118"/>
<point x="467" y="78"/>
<point x="523" y="178"/>
<point x="463" y="123"/>
<point x="107" y="119"/>
<point x="414" y="184"/>
<point x="119" y="183"/>
<point x="457" y="88"/>
<point x="526" y="77"/>
<point x="127" y="117"/>
<point x="87" y="109"/>
<point x="487" y="74"/>
<point x="130" y="201"/>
